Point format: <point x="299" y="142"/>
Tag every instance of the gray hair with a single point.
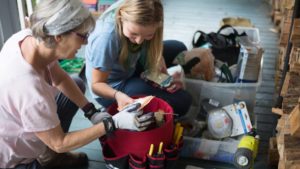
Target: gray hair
<point x="58" y="17"/>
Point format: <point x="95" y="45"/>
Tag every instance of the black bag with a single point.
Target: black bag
<point x="224" y="47"/>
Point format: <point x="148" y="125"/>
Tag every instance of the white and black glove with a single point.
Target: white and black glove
<point x="144" y="120"/>
<point x="99" y="117"/>
<point x="132" y="119"/>
<point x="129" y="118"/>
<point x="93" y="114"/>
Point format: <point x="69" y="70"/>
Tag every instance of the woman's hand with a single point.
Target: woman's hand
<point x="176" y="83"/>
<point x="122" y="99"/>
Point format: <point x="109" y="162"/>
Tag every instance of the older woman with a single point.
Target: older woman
<point x="35" y="110"/>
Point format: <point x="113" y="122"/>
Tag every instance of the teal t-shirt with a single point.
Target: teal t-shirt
<point x="103" y="50"/>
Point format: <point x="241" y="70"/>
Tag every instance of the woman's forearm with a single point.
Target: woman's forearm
<point x="61" y="142"/>
<point x="70" y="89"/>
<point x="104" y="90"/>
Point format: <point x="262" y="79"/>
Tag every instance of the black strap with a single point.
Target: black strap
<point x="233" y="35"/>
<point x="109" y="125"/>
<point x="217" y="39"/>
<point x="190" y="64"/>
<point x="228" y="26"/>
<point x="89" y="110"/>
<point x="235" y="32"/>
<point x="199" y="41"/>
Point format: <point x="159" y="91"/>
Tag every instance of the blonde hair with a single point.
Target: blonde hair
<point x="145" y="13"/>
<point x="43" y="12"/>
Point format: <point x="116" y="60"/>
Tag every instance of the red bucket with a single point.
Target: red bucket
<point x="137" y="143"/>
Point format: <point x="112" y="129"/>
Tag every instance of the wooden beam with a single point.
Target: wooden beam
<point x="294" y="120"/>
<point x="273" y="155"/>
<point x="296" y="27"/>
<point x="277" y="111"/>
<point x="285" y="84"/>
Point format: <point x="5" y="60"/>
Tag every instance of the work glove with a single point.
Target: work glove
<point x="93" y="114"/>
<point x="132" y="119"/>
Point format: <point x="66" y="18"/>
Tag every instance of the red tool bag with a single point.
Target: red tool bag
<point x="129" y="149"/>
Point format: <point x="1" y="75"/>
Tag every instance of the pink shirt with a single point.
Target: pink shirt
<point x="27" y="105"/>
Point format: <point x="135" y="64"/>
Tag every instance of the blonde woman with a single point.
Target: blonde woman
<point x="38" y="99"/>
<point x="127" y="40"/>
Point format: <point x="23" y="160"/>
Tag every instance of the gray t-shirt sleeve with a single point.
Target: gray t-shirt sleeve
<point x="103" y="51"/>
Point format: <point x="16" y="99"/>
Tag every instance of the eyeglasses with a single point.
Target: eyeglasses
<point x="84" y="37"/>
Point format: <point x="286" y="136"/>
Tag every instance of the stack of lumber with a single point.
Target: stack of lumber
<point x="290" y="92"/>
<point x="287" y="140"/>
<point x="282" y="12"/>
<point x="284" y="149"/>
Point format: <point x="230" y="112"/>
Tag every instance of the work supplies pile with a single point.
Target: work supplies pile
<point x="236" y="50"/>
<point x="152" y="148"/>
<point x="224" y="47"/>
<point x="220" y="117"/>
<point x="239" y="81"/>
<point x="223" y="139"/>
<point x="221" y="121"/>
<point x="249" y="62"/>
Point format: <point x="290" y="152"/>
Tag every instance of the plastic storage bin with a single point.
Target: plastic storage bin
<point x="225" y="93"/>
<point x="228" y="93"/>
<point x="206" y="149"/>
